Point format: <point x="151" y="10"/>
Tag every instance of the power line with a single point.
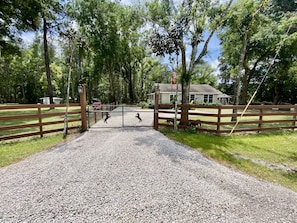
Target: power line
<point x="263" y="79"/>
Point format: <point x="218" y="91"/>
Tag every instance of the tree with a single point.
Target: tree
<point x="21" y="77"/>
<point x="130" y="48"/>
<point x="243" y="20"/>
<point x="283" y="6"/>
<point x="69" y="35"/>
<point x="16" y="16"/>
<point x="280" y="82"/>
<point x="250" y="44"/>
<point x="112" y="32"/>
<point x="98" y="22"/>
<point x="151" y="71"/>
<point x="178" y="28"/>
<point x="204" y="74"/>
<point x="49" y="14"/>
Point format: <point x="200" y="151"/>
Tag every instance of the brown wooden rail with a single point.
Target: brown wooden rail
<point x="11" y="118"/>
<point x="218" y="119"/>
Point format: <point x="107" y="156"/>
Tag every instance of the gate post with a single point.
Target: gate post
<point x="156" y="108"/>
<point x="83" y="106"/>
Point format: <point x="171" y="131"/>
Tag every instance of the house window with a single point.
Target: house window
<point x="208" y="98"/>
<point x="205" y="98"/>
<point x="192" y="97"/>
<point x="172" y="98"/>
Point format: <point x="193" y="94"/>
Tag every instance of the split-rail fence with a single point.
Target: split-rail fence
<point x="227" y="118"/>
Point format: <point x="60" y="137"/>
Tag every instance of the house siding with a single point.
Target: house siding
<point x="197" y="90"/>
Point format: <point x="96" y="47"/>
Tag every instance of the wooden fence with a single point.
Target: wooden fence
<point x="220" y="119"/>
<point x="17" y="121"/>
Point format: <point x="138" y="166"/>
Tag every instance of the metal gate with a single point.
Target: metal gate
<point x="120" y="116"/>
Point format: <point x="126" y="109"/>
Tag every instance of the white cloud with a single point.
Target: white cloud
<point x="215" y="64"/>
<point x="28" y="37"/>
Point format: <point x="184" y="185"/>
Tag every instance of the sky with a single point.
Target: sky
<point x="28" y="37"/>
<point x="214" y="51"/>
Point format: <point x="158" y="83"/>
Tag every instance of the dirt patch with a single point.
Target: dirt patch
<point x="269" y="165"/>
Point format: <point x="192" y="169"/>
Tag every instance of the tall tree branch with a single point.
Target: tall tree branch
<point x="218" y="24"/>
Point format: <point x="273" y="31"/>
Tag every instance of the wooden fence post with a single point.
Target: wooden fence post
<point x="219" y="119"/>
<point x="260" y="119"/>
<point x="95" y="116"/>
<point x="40" y="121"/>
<point x="83" y="105"/>
<point x="294" y="117"/>
<point x="156" y="108"/>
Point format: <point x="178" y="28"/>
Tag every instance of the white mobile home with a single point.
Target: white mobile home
<point x="46" y="100"/>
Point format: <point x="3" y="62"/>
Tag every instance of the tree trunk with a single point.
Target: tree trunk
<point x="185" y="77"/>
<point x="240" y="66"/>
<point x="47" y="63"/>
<point x="185" y="82"/>
<point x="131" y="93"/>
<point x="240" y="72"/>
<point x="276" y="98"/>
<point x="68" y="93"/>
<point x="112" y="97"/>
<point x="245" y="85"/>
<point x="249" y="74"/>
<point x="142" y="83"/>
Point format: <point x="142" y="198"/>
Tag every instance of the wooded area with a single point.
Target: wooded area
<point x="119" y="49"/>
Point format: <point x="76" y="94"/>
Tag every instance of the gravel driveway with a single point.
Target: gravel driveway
<point x="135" y="175"/>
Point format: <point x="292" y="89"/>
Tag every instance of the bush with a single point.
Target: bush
<point x="144" y="104"/>
<point x="206" y="103"/>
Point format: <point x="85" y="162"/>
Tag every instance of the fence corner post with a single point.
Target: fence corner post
<point x="83" y="105"/>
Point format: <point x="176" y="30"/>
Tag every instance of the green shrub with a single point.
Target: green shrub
<point x="144" y="104"/>
<point x="206" y="103"/>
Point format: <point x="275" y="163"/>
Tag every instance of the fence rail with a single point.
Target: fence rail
<point x="222" y="119"/>
<point x="18" y="121"/>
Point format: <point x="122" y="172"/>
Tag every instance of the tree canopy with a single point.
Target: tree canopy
<point x="119" y="50"/>
<point x="16" y="16"/>
<point x="269" y="41"/>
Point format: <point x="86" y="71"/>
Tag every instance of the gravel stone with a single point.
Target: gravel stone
<point x="135" y="174"/>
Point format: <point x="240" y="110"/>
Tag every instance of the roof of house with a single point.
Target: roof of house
<point x="194" y="88"/>
<point x="224" y="96"/>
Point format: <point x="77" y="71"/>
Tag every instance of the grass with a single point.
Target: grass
<point x="244" y="153"/>
<point x="12" y="151"/>
<point x="16" y="150"/>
